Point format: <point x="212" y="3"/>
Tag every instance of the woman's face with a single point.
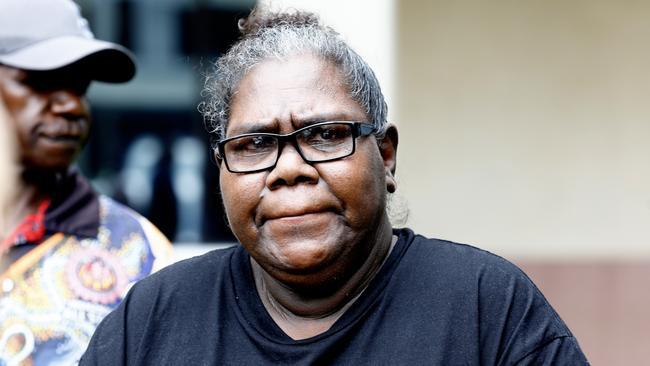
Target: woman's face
<point x="301" y="219"/>
<point x="49" y="114"/>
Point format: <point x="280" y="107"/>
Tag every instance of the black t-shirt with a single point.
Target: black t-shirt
<point x="432" y="303"/>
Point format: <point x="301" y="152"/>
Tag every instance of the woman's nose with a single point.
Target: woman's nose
<point x="291" y="169"/>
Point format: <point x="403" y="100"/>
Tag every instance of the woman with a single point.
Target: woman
<point x="306" y="162"/>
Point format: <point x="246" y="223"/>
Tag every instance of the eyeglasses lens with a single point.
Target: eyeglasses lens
<point x="321" y="142"/>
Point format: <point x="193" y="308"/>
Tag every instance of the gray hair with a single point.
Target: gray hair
<point x="267" y="35"/>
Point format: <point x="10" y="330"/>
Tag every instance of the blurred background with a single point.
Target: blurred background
<point x="524" y="130"/>
<point x="149" y="149"/>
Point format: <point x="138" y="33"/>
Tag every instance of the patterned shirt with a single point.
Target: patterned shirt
<point x="55" y="292"/>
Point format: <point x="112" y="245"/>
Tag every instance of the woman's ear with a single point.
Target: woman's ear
<point x="388" y="150"/>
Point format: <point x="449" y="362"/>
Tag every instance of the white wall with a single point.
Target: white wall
<point x="367" y="25"/>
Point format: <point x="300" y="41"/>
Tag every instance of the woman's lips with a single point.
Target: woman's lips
<point x="310" y="224"/>
<point x="295" y="215"/>
<point x="294" y="211"/>
<point x="295" y="204"/>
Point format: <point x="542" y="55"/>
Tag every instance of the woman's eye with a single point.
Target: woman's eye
<point x="258" y="142"/>
<point x="327" y="133"/>
<point x="252" y="144"/>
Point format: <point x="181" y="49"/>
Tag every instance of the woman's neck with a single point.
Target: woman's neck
<point x="303" y="316"/>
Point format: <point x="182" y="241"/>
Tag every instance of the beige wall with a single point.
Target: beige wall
<point x="525" y="125"/>
<point x="525" y="130"/>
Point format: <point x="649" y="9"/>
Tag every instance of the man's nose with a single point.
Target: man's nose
<point x="67" y="102"/>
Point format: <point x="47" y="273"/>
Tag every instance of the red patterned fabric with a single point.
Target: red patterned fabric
<point x="31" y="229"/>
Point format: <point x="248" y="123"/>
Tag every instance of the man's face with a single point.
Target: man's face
<point x="49" y="113"/>
<point x="296" y="219"/>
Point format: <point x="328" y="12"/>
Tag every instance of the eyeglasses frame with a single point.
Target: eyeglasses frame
<point x="358" y="129"/>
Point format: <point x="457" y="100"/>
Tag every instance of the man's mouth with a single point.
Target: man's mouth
<point x="68" y="131"/>
<point x="66" y="141"/>
<point x="63" y="138"/>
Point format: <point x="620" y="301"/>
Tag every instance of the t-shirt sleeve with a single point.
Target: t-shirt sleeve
<point x="107" y="345"/>
<point x="117" y="337"/>
<point x="559" y="351"/>
<point x="518" y="325"/>
<point x="153" y="316"/>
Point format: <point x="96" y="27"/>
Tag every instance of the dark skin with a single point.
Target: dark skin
<point x="49" y="114"/>
<point x="317" y="233"/>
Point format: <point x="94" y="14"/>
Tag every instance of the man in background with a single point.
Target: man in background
<point x="67" y="254"/>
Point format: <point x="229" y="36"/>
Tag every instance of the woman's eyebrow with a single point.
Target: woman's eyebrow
<point x="317" y="118"/>
<point x="253" y="127"/>
<point x="296" y="121"/>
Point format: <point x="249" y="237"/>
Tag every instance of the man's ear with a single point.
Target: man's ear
<point x="388" y="150"/>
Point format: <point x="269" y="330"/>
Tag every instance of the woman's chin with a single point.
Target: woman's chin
<point x="304" y="256"/>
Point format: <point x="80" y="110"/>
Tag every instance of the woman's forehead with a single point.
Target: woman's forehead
<point x="298" y="90"/>
<point x="297" y="71"/>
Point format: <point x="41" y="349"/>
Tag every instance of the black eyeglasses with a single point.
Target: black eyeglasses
<point x="317" y="143"/>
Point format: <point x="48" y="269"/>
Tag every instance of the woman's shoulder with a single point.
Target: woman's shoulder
<point x="465" y="271"/>
<point x="512" y="313"/>
<point x="205" y="265"/>
<point x="455" y="257"/>
<point x="186" y="278"/>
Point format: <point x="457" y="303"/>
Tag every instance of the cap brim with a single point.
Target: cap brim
<point x="104" y="61"/>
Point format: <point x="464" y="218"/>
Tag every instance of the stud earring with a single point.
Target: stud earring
<point x="390" y="182"/>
